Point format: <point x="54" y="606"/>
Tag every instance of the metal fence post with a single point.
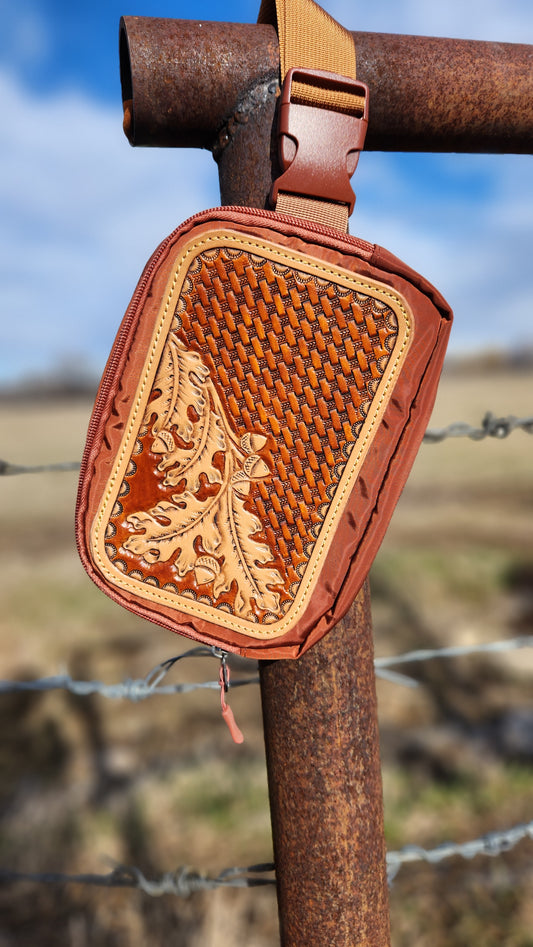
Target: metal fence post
<point x="321" y="737"/>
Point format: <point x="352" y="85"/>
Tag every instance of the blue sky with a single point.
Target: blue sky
<point x="81" y="211"/>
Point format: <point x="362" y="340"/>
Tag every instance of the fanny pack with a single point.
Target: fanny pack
<point x="267" y="391"/>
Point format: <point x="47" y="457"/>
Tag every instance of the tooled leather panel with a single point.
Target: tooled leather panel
<point x="266" y="379"/>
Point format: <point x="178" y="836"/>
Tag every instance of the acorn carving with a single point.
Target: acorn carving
<point x="206" y="569"/>
<point x="252" y="442"/>
<point x="255" y="468"/>
<point x="164" y="442"/>
<point x="241" y="483"/>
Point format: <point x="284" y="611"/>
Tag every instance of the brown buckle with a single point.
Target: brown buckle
<point x="318" y="146"/>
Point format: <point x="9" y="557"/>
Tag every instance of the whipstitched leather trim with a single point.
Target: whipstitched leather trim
<point x="267" y="374"/>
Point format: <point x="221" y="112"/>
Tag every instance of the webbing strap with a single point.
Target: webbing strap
<point x="322" y="212"/>
<point x="311" y="39"/>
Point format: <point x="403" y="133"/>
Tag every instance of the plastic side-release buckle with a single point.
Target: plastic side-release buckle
<point x="319" y="145"/>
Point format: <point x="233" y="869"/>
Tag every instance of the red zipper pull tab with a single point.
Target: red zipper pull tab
<point x="227" y="712"/>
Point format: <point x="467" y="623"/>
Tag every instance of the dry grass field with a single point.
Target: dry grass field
<point x="86" y="782"/>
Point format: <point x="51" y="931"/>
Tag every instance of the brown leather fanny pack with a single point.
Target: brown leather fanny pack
<point x="260" y="411"/>
<point x="259" y="414"/>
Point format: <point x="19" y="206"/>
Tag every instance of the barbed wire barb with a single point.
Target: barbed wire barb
<point x="491" y="426"/>
<point x="182" y="882"/>
<point x="491" y="844"/>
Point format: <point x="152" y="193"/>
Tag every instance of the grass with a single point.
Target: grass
<point x="160" y="784"/>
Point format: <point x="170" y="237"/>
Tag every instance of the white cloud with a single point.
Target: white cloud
<point x="475" y="247"/>
<point x="81" y="212"/>
<point x="507" y="21"/>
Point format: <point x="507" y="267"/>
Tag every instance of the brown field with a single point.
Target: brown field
<point x="87" y="782"/>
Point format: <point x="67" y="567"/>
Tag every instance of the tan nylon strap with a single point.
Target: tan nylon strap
<point x="311" y="39"/>
<point x="327" y="213"/>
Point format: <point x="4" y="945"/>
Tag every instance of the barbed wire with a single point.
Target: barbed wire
<point x="451" y="651"/>
<point x="183" y="882"/>
<point x="138" y="689"/>
<point x="491" y="426"/>
<point x="492" y="844"/>
<point x="9" y="470"/>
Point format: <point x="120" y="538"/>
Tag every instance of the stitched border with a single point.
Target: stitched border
<point x="175" y="602"/>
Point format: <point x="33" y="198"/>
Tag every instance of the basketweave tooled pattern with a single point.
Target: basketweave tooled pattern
<point x="263" y="386"/>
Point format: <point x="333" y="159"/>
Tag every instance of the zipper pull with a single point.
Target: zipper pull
<point x="227" y="712"/>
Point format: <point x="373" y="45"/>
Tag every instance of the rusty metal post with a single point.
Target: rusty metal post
<point x="322" y="743"/>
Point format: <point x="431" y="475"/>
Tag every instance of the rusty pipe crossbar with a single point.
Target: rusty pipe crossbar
<point x="191" y="84"/>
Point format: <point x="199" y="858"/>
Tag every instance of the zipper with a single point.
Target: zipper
<point x="298" y="222"/>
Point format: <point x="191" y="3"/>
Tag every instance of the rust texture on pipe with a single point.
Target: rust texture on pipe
<point x="325" y="790"/>
<point x="183" y="80"/>
<point x="193" y="84"/>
